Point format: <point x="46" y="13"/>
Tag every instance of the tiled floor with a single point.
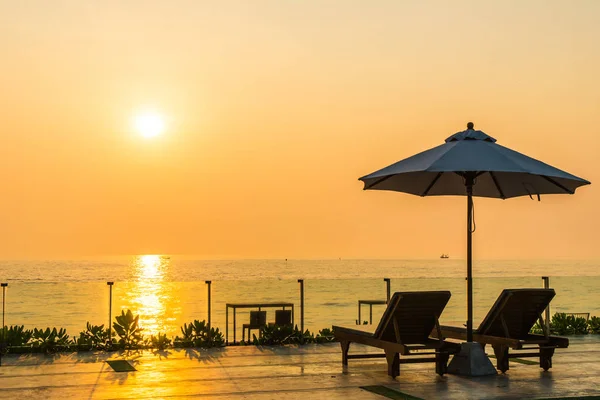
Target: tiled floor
<point x="305" y="372"/>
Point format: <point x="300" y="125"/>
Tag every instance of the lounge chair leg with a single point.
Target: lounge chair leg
<point x="501" y="353"/>
<point x="393" y="360"/>
<point x="546" y="358"/>
<point x="441" y="362"/>
<point x="345" y="347"/>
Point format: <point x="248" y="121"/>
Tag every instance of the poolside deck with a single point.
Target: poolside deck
<point x="306" y="372"/>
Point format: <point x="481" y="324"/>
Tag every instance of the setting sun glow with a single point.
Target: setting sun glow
<point x="149" y="124"/>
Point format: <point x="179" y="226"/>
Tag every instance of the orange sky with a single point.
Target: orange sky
<point x="274" y="109"/>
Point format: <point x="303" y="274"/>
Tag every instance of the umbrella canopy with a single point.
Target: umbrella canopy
<point x="498" y="171"/>
<point x="471" y="163"/>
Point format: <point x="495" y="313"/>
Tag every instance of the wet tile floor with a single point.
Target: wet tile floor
<point x="289" y="372"/>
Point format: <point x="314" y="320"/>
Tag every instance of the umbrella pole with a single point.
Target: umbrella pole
<point x="469" y="185"/>
<point x="471" y="360"/>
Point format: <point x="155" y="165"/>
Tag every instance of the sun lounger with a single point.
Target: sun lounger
<point x="404" y="329"/>
<point x="507" y="326"/>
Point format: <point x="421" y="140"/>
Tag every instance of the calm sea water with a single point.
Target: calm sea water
<point x="168" y="291"/>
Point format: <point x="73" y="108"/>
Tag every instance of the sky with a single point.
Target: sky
<point x="272" y="110"/>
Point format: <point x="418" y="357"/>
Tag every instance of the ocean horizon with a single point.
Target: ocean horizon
<point x="168" y="291"/>
<point x="190" y="268"/>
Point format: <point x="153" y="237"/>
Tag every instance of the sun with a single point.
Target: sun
<point x="149" y="124"/>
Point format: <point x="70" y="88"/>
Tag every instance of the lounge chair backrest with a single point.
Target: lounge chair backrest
<point x="520" y="309"/>
<point x="415" y="313"/>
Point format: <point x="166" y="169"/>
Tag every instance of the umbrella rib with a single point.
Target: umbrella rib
<point x="377" y="182"/>
<point x="431" y="184"/>
<point x="557" y="184"/>
<point x="502" y="196"/>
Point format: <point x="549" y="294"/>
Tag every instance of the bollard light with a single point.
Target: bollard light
<point x="3" y="285"/>
<point x="301" y="282"/>
<point x="110" y="285"/>
<point x="546" y="280"/>
<point x="3" y="345"/>
<point x="208" y="283"/>
<point x="387" y="289"/>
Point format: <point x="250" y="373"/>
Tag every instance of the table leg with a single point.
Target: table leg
<point x="226" y="325"/>
<point x="359" y="322"/>
<point x="371" y="314"/>
<point x="234" y="325"/>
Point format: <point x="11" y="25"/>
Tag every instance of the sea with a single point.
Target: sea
<point x="167" y="291"/>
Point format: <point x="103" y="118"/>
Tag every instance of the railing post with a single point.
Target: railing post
<point x="3" y="345"/>
<point x="208" y="284"/>
<point x="546" y="280"/>
<point x="301" y="282"/>
<point x="110" y="286"/>
<point x="387" y="289"/>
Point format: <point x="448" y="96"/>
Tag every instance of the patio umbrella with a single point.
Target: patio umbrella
<point x="471" y="163"/>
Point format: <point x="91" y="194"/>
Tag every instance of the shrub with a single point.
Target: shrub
<point x="216" y="338"/>
<point x="325" y="336"/>
<point x="537" y="329"/>
<point x="50" y="340"/>
<point x="94" y="337"/>
<point x="16" y="335"/>
<point x="188" y="336"/>
<point x="563" y="324"/>
<point x="197" y="334"/>
<point x="273" y="335"/>
<point x="594" y="325"/>
<point x="278" y="335"/>
<point x="128" y="330"/>
<point x="161" y="341"/>
<point x="579" y="326"/>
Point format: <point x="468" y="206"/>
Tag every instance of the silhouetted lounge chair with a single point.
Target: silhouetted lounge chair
<point x="404" y="329"/>
<point x="508" y="323"/>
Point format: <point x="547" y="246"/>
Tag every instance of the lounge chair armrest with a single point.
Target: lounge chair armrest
<point x="344" y="330"/>
<point x="558" y="341"/>
<point x="355" y="336"/>
<point x="454" y="332"/>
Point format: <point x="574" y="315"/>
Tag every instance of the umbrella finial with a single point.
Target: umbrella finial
<point x="470" y="125"/>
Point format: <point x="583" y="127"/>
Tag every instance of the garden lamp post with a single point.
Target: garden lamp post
<point x="3" y="345"/>
<point x="110" y="286"/>
<point x="208" y="283"/>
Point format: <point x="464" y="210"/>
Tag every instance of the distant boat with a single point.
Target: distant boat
<point x="444" y="256"/>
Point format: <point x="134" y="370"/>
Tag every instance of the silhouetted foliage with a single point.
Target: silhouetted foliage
<point x="16" y="335"/>
<point x="197" y="334"/>
<point x="325" y="335"/>
<point x="565" y="324"/>
<point x="160" y="342"/>
<point x="95" y="337"/>
<point x="128" y="330"/>
<point x="50" y="340"/>
<point x="594" y="325"/>
<point x="279" y="335"/>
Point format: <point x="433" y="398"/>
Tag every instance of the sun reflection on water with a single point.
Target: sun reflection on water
<point x="150" y="266"/>
<point x="149" y="295"/>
